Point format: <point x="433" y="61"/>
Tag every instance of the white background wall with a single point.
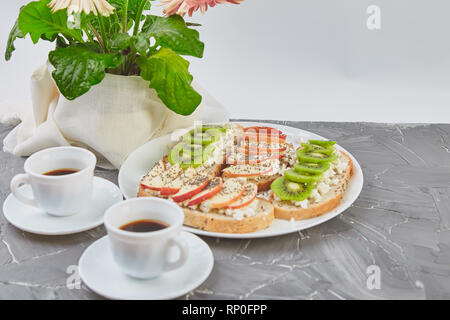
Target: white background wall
<point x="303" y="60"/>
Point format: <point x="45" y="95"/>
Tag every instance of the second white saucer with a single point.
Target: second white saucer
<point x="35" y="220"/>
<point x="102" y="275"/>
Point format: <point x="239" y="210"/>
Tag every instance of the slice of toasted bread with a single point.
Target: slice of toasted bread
<point x="287" y="210"/>
<point x="217" y="222"/>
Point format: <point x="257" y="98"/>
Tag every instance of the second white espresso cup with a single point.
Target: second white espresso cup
<point x="62" y="195"/>
<point x="145" y="255"/>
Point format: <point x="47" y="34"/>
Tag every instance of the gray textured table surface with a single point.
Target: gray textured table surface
<point x="400" y="224"/>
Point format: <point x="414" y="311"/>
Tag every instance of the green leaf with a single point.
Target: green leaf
<point x="37" y="19"/>
<point x="13" y="35"/>
<point x="140" y="43"/>
<point x="79" y="67"/>
<point x="119" y="41"/>
<point x="172" y="32"/>
<point x="169" y="76"/>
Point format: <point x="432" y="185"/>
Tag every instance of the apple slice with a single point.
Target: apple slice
<point x="262" y="147"/>
<point x="232" y="190"/>
<point x="260" y="151"/>
<point x="153" y="179"/>
<point x="248" y="170"/>
<point x="213" y="187"/>
<point x="242" y="158"/>
<point x="172" y="187"/>
<point x="258" y="137"/>
<point x="264" y="130"/>
<point x="268" y="131"/>
<point x="191" y="188"/>
<point x="167" y="191"/>
<point x="250" y="192"/>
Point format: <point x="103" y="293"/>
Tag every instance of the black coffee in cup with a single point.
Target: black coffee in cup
<point x="61" y="172"/>
<point x="144" y="226"/>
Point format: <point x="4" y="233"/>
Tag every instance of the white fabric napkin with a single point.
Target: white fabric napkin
<point x="114" y="118"/>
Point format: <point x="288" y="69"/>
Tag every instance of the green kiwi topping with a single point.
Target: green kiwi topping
<point x="305" y="155"/>
<point x="304" y="177"/>
<point x="202" y="135"/>
<point x="187" y="155"/>
<point x="322" y="143"/>
<point x="215" y="127"/>
<point x="208" y="152"/>
<point x="290" y="190"/>
<point x="317" y="148"/>
<point x="297" y="184"/>
<point x="311" y="167"/>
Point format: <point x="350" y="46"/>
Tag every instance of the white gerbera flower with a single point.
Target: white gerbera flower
<point x="86" y="6"/>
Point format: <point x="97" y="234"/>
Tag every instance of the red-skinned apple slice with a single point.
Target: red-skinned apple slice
<point x="232" y="190"/>
<point x="260" y="150"/>
<point x="257" y="137"/>
<point x="150" y="187"/>
<point x="242" y="158"/>
<point x="153" y="180"/>
<point x="173" y="187"/>
<point x="263" y="146"/>
<point x="190" y="189"/>
<point x="247" y="170"/>
<point x="264" y="130"/>
<point x="213" y="187"/>
<point x="168" y="191"/>
<point x="248" y="197"/>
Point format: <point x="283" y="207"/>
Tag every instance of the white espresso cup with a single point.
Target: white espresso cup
<point x="146" y="255"/>
<point x="62" y="195"/>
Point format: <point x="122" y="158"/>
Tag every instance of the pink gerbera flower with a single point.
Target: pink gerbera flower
<point x="182" y="7"/>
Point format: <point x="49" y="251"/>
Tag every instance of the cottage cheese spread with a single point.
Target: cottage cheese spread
<point x="245" y="212"/>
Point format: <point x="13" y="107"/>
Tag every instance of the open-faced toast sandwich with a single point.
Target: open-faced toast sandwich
<point x="316" y="183"/>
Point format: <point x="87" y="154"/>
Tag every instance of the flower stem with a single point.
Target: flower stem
<point x="97" y="35"/>
<point x="125" y="16"/>
<point x="138" y="17"/>
<point x="103" y="31"/>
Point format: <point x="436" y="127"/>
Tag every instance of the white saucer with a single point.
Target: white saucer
<point x="102" y="275"/>
<point x="35" y="220"/>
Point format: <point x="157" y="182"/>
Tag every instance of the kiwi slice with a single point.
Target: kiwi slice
<point x="295" y="176"/>
<point x="213" y="126"/>
<point x="322" y="143"/>
<point x="311" y="167"/>
<point x="208" y="152"/>
<point x="290" y="190"/>
<point x="305" y="155"/>
<point x="187" y="155"/>
<point x="202" y="135"/>
<point x="317" y="148"/>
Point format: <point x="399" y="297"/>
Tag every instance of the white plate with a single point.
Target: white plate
<point x="142" y="159"/>
<point x="34" y="220"/>
<point x="102" y="275"/>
